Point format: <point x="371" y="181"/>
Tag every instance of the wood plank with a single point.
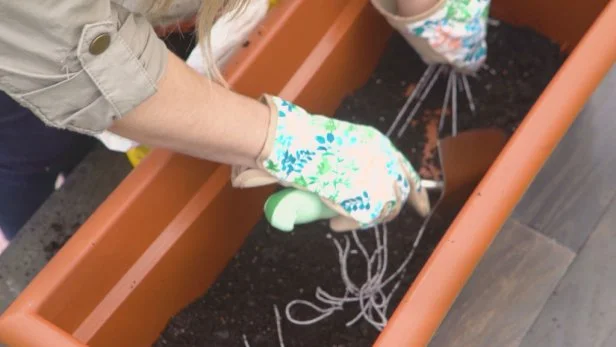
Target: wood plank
<point x="577" y="179"/>
<point x="582" y="310"/>
<point x="505" y="294"/>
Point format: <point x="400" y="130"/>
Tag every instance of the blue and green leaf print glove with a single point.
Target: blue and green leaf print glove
<point x="354" y="169"/>
<point x="451" y="32"/>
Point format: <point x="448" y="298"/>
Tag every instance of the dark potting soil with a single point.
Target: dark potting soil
<point x="273" y="268"/>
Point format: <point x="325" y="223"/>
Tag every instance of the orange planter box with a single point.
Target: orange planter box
<point x="161" y="239"/>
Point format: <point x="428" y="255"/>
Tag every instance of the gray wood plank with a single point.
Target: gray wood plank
<point x="576" y="185"/>
<point x="507" y="290"/>
<point x="582" y="310"/>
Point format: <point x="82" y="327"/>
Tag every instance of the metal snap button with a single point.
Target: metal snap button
<point x="100" y="44"/>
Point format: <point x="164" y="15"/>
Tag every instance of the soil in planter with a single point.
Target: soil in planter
<point x="274" y="267"/>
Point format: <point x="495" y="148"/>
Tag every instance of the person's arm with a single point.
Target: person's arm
<point x="410" y="8"/>
<point x="193" y="115"/>
<point x="104" y="68"/>
<point x="79" y="65"/>
<point x="91" y="65"/>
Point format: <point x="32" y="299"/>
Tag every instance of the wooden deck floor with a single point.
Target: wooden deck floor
<point x="549" y="278"/>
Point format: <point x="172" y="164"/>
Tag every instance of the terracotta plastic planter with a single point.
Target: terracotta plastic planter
<point x="169" y="229"/>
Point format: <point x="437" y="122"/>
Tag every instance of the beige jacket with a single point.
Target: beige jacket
<point x="78" y="64"/>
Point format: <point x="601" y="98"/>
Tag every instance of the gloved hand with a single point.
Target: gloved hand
<point x="354" y="169"/>
<point x="450" y="32"/>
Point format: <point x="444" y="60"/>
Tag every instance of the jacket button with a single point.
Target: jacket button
<point x="100" y="44"/>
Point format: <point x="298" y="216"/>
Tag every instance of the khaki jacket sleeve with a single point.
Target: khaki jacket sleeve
<point x="78" y="64"/>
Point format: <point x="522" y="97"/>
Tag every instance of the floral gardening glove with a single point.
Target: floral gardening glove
<point x="354" y="169"/>
<point x="451" y="32"/>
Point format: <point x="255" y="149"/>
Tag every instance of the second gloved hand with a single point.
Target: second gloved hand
<point x="449" y="32"/>
<point x="354" y="169"/>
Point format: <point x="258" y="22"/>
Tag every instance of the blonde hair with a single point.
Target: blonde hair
<point x="209" y="12"/>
